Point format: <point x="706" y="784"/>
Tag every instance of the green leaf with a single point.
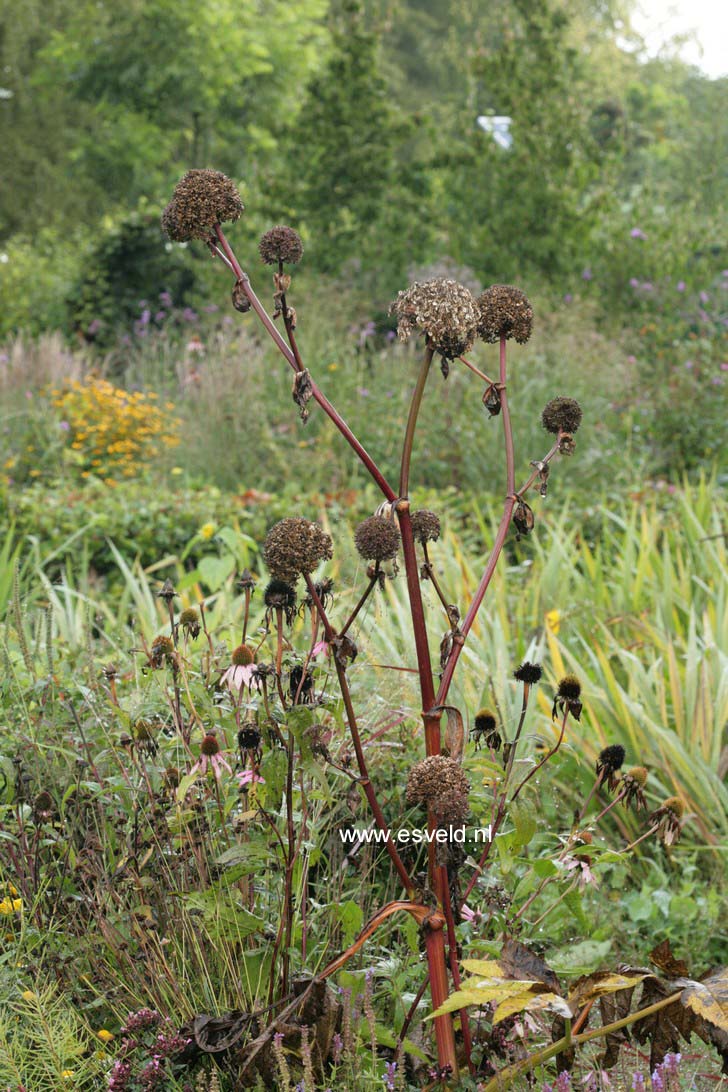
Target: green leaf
<point x="351" y="916"/>
<point x="214" y="571"/>
<point x="580" y="958"/>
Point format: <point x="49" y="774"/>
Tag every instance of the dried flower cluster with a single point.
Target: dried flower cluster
<point x="440" y="784"/>
<point x="281" y="244"/>
<point x="425" y="526"/>
<point x="504" y="312"/>
<point x="443" y="309"/>
<point x="561" y="415"/>
<point x="377" y="539"/>
<point x="201" y="200"/>
<point x="294" y="546"/>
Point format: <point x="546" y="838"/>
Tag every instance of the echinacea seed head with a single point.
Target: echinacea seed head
<point x="610" y="759"/>
<point x="505" y="312"/>
<point x="638" y="775"/>
<point x="561" y="415"/>
<point x="279" y="594"/>
<point x="189" y="617"/>
<point x="485" y="721"/>
<point x="294" y="546"/>
<point x="528" y="673"/>
<point x="442" y="309"/>
<point x="425" y="526"/>
<point x="281" y="244"/>
<point x="377" y="539"/>
<point x="674" y="805"/>
<point x="249" y="737"/>
<point x="243" y="656"/>
<point x="209" y="745"/>
<point x="569" y="688"/>
<point x="201" y="200"/>
<point x="440" y="784"/>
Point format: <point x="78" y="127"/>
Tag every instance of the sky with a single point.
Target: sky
<point x="659" y="20"/>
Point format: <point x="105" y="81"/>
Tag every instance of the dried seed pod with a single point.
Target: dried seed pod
<point x="443" y="309"/>
<point x="281" y="244"/>
<point x="523" y="518"/>
<point x="485" y="729"/>
<point x="377" y="539"/>
<point x="240" y="300"/>
<point x="425" y="526"/>
<point x="201" y="200"/>
<point x="561" y="415"/>
<point x="528" y="673"/>
<point x="302" y="393"/>
<point x="567" y="443"/>
<point x="440" y="784"/>
<point x="505" y="312"/>
<point x="492" y="400"/>
<point x="294" y="546"/>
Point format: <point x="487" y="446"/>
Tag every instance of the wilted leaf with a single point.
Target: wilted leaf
<point x="527" y="1001"/>
<point x="663" y="958"/>
<point x="518" y="961"/>
<point x="487" y="968"/>
<point x="614" y="1007"/>
<point x="599" y="984"/>
<point x="664" y="1028"/>
<point x="709" y="999"/>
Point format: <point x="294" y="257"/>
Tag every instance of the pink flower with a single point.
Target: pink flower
<point x="586" y="876"/>
<point x="239" y="675"/>
<point x="467" y="914"/>
<point x="211" y="755"/>
<point x="322" y="648"/>
<point x="249" y="777"/>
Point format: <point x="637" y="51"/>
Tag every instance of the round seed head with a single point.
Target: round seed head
<point x="280" y="594"/>
<point x="243" y="656"/>
<point x="485" y="721"/>
<point x="249" y="737"/>
<point x="439" y="783"/>
<point x="504" y="312"/>
<point x="610" y="759"/>
<point x="674" y="805"/>
<point x="377" y="539"/>
<point x="561" y="415"/>
<point x="569" y="688"/>
<point x="528" y="673"/>
<point x="281" y="244"/>
<point x="425" y="526"/>
<point x="443" y="309"/>
<point x="637" y="775"/>
<point x="209" y="745"/>
<point x="189" y="617"/>
<point x="201" y="199"/>
<point x="294" y="546"/>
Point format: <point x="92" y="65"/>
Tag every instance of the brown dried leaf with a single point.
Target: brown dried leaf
<point x="664" y="1028"/>
<point x="663" y="958"/>
<point x="599" y="984"/>
<point x="614" y="1007"/>
<point x="708" y="1000"/>
<point x="302" y="392"/>
<point x="518" y="962"/>
<point x="240" y="300"/>
<point x="454" y="733"/>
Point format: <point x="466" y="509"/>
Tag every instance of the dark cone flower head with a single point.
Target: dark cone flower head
<point x="294" y="546"/>
<point x="569" y="688"/>
<point x="610" y="759"/>
<point x="425" y="526"/>
<point x="209" y="745"/>
<point x="281" y="244"/>
<point x="201" y="200"/>
<point x="377" y="539"/>
<point x="485" y="729"/>
<point x="279" y="595"/>
<point x="667" y="818"/>
<point x="439" y="783"/>
<point x="443" y="309"/>
<point x="561" y="415"/>
<point x="528" y="673"/>
<point x="243" y="656"/>
<point x="504" y="312"/>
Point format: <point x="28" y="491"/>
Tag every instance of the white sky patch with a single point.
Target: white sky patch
<point x="707" y="20"/>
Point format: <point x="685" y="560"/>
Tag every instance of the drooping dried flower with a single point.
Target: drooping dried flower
<point x="633" y="784"/>
<point x="443" y="309"/>
<point x="504" y="312"/>
<point x="281" y="244"/>
<point x="667" y="819"/>
<point x="161" y="651"/>
<point x="610" y="760"/>
<point x="189" y="620"/>
<point x="523" y="518"/>
<point x="425" y="526"/>
<point x="294" y="546"/>
<point x="568" y="697"/>
<point x="528" y="673"/>
<point x="201" y="200"/>
<point x="377" y="539"/>
<point x="279" y="595"/>
<point x="485" y="728"/>
<point x="440" y="784"/>
<point x="561" y="415"/>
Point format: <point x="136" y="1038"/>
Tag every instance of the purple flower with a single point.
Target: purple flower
<point x="143" y="304"/>
<point x="391" y="335"/>
<point x="671" y="1063"/>
<point x="633" y="282"/>
<point x="680" y="286"/>
<point x="210" y="308"/>
<point x="145" y="317"/>
<point x="563" y="1082"/>
<point x="189" y="315"/>
<point x="688" y="364"/>
<point x="337" y="1048"/>
<point x="724" y="367"/>
<point x="658" y="1084"/>
<point x="165" y="299"/>
<point x="638" y="1083"/>
<point x="587" y="274"/>
<point x="637" y="233"/>
<point x="94" y="326"/>
<point x="568" y="297"/>
<point x="160" y="316"/>
<point x="363" y="392"/>
<point x="64" y="425"/>
<point x="704" y="297"/>
<point x="4" y="358"/>
<point x="647" y="287"/>
<point x="390" y="1071"/>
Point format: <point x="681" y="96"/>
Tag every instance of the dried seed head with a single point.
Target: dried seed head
<point x="484" y="721"/>
<point x="439" y="783"/>
<point x="569" y="688"/>
<point x="633" y="783"/>
<point x="189" y="620"/>
<point x="243" y="656"/>
<point x="425" y="526"/>
<point x="167" y="591"/>
<point x="280" y="594"/>
<point x="281" y="244"/>
<point x="443" y="309"/>
<point x="486" y="728"/>
<point x="504" y="312"/>
<point x="638" y="774"/>
<point x="377" y="539"/>
<point x="209" y="745"/>
<point x="528" y="673"/>
<point x="610" y="760"/>
<point x="523" y="518"/>
<point x="667" y="818"/>
<point x="201" y="199"/>
<point x="162" y="649"/>
<point x="294" y="546"/>
<point x="561" y="415"/>
<point x="567" y="443"/>
<point x="675" y="805"/>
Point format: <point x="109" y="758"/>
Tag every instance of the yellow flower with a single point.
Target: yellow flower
<point x="553" y="621"/>
<point x="28" y="995"/>
<point x="10" y="906"/>
<point x="104" y="1035"/>
<point x="67" y="1075"/>
<point x="12" y="889"/>
<point x="177" y="470"/>
<point x="207" y="530"/>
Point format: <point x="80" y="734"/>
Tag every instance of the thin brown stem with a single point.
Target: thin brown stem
<point x="477" y="371"/>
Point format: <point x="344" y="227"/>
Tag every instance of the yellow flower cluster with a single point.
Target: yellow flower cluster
<point x="114" y="432"/>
